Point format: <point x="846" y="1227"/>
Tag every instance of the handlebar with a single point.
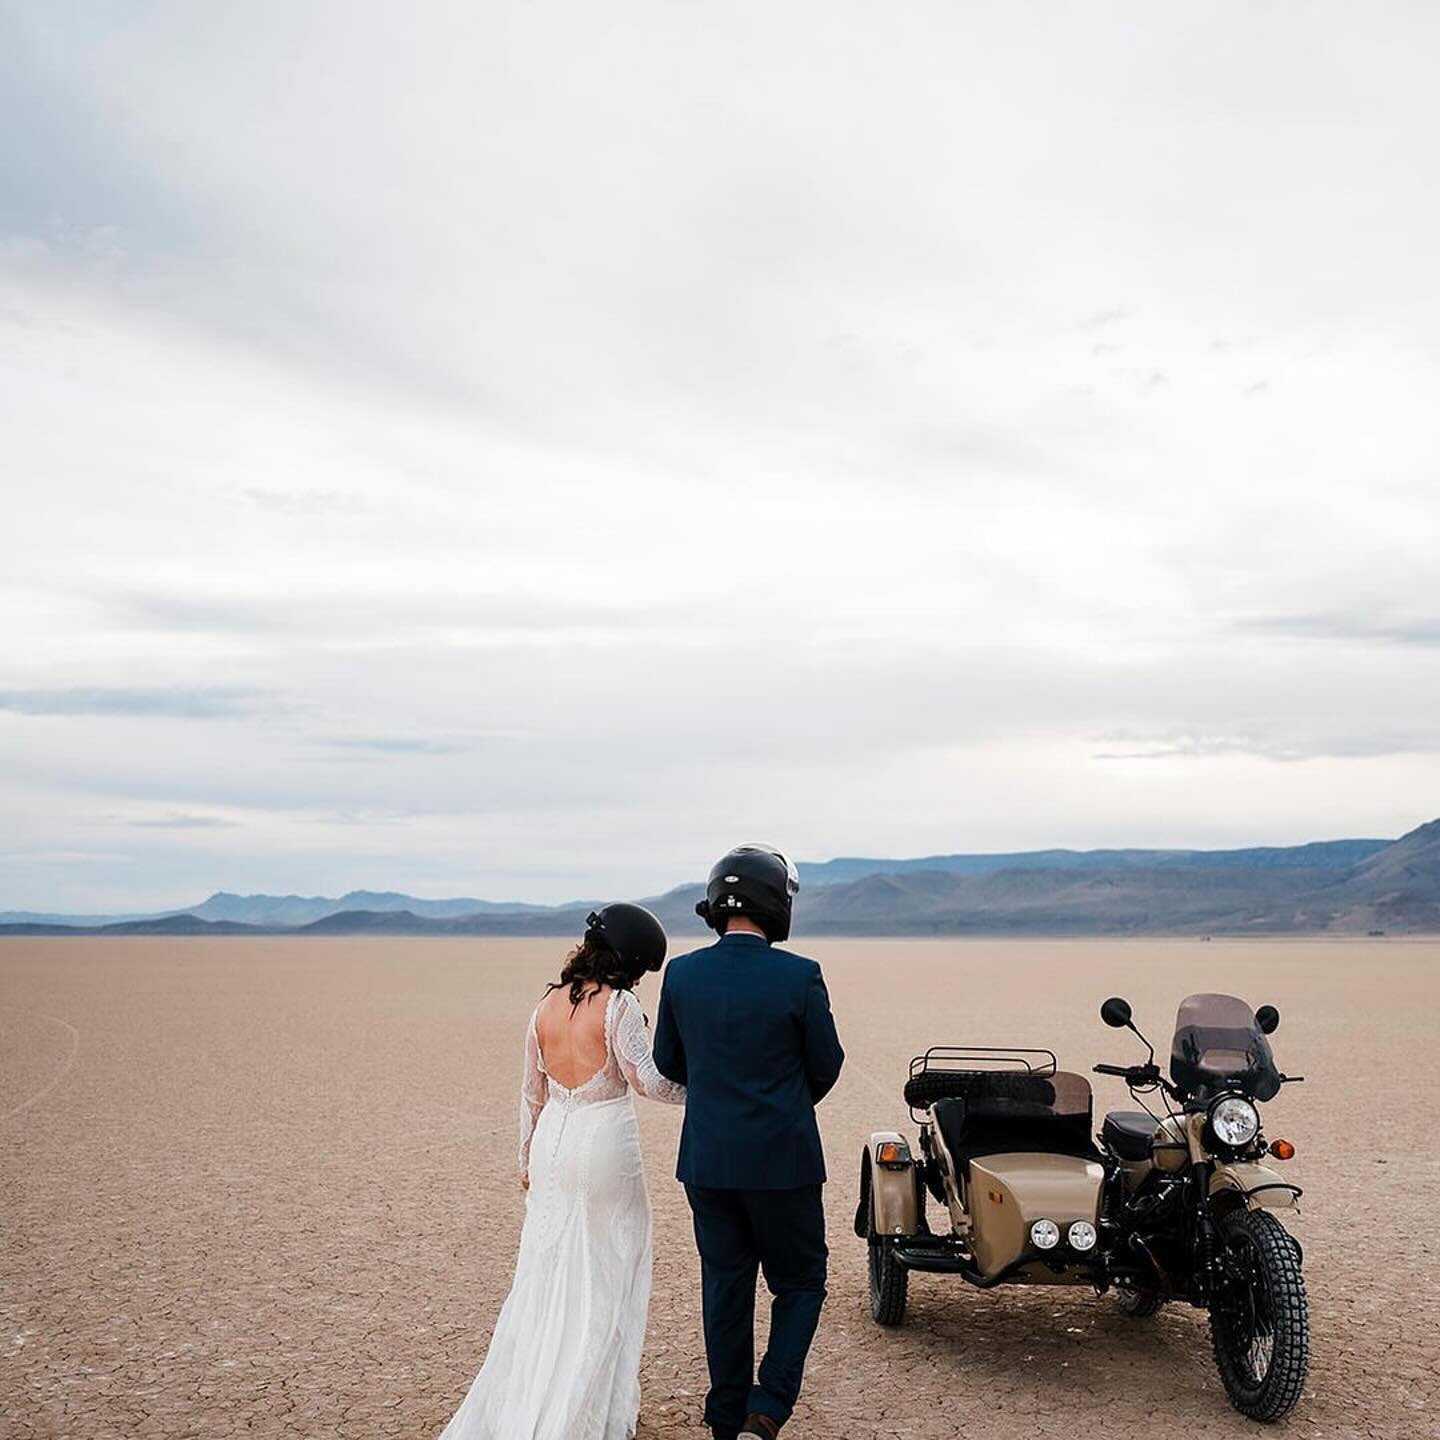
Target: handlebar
<point x="1136" y="1075"/>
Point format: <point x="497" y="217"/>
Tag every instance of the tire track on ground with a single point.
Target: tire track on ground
<point x="60" y="1074"/>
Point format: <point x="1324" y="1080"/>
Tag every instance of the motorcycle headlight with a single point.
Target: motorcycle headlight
<point x="1234" y="1121"/>
<point x="1082" y="1235"/>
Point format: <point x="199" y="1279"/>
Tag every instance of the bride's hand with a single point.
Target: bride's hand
<point x="525" y="1182"/>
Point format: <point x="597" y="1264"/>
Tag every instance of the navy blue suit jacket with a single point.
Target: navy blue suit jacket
<point x="747" y="1029"/>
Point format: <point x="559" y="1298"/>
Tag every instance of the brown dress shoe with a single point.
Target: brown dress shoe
<point x="759" y="1427"/>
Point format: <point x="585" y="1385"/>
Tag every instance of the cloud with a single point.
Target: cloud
<point x="1422" y="631"/>
<point x="1288" y="750"/>
<point x="197" y="703"/>
<point x="1203" y="746"/>
<point x="185" y="822"/>
<point x="66" y="857"/>
<point x="367" y="819"/>
<point x="307" y="502"/>
<point x="408" y="744"/>
<point x="340" y="614"/>
<point x="1099" y="319"/>
<point x="707" y="436"/>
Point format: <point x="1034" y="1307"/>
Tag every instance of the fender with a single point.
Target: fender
<point x="892" y="1186"/>
<point x="1258" y="1186"/>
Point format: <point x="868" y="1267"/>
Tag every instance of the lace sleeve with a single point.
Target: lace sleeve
<point x="534" y="1091"/>
<point x="631" y="1044"/>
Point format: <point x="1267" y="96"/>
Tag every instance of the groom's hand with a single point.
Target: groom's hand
<point x="525" y="1182"/>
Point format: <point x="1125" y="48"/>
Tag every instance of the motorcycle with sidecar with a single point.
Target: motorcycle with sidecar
<point x="1174" y="1201"/>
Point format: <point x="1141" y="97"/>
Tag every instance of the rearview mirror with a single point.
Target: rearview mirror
<point x="1267" y="1017"/>
<point x="1115" y="1012"/>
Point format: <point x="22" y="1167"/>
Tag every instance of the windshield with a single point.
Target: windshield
<point x="1218" y="1045"/>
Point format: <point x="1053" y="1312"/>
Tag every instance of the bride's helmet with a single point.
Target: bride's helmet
<point x="756" y="881"/>
<point x="632" y="932"/>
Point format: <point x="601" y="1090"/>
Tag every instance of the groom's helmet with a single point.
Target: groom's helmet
<point x="756" y="881"/>
<point x="631" y="932"/>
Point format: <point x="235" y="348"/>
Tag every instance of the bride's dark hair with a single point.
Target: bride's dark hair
<point x="590" y="965"/>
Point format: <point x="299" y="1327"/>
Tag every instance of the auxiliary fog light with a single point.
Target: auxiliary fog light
<point x="1082" y="1235"/>
<point x="1044" y="1234"/>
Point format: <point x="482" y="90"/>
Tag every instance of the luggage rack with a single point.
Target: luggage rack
<point x="946" y="1071"/>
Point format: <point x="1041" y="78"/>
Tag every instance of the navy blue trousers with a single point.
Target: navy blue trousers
<point x="740" y="1232"/>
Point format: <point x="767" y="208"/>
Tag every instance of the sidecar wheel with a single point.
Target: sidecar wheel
<point x="889" y="1280"/>
<point x="1140" y="1304"/>
<point x="1260" y="1323"/>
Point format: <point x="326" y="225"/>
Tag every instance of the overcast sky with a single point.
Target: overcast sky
<point x="520" y="450"/>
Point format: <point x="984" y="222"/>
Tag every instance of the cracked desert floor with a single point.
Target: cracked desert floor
<point x="267" y="1188"/>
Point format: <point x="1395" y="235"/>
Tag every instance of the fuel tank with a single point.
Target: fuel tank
<point x="1008" y="1193"/>
<point x="1169" y="1151"/>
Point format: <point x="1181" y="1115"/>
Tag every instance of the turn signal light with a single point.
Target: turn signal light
<point x="1282" y="1149"/>
<point x="892" y="1155"/>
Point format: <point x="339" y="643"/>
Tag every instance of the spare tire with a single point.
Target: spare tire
<point x="924" y="1089"/>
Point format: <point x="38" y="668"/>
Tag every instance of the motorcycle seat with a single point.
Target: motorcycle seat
<point x="1128" y="1133"/>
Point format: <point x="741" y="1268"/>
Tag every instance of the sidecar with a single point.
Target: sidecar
<point x="1006" y="1150"/>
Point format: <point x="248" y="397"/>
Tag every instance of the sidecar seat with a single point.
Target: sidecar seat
<point x="1012" y="1113"/>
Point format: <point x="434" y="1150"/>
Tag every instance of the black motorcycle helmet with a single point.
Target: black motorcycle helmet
<point x="756" y="881"/>
<point x="631" y="932"/>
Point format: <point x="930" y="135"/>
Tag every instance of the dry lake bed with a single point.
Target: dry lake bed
<point x="267" y="1188"/>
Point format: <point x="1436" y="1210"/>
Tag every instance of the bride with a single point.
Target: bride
<point x="564" y="1361"/>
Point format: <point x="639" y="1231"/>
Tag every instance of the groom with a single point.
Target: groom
<point x="747" y="1029"/>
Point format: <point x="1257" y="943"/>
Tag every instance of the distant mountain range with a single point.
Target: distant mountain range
<point x="1322" y="854"/>
<point x="1328" y="887"/>
<point x="287" y="911"/>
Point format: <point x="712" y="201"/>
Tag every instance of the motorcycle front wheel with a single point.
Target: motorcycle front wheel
<point x="1259" y="1320"/>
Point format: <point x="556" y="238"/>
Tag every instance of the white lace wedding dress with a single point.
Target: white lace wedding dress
<point x="564" y="1361"/>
